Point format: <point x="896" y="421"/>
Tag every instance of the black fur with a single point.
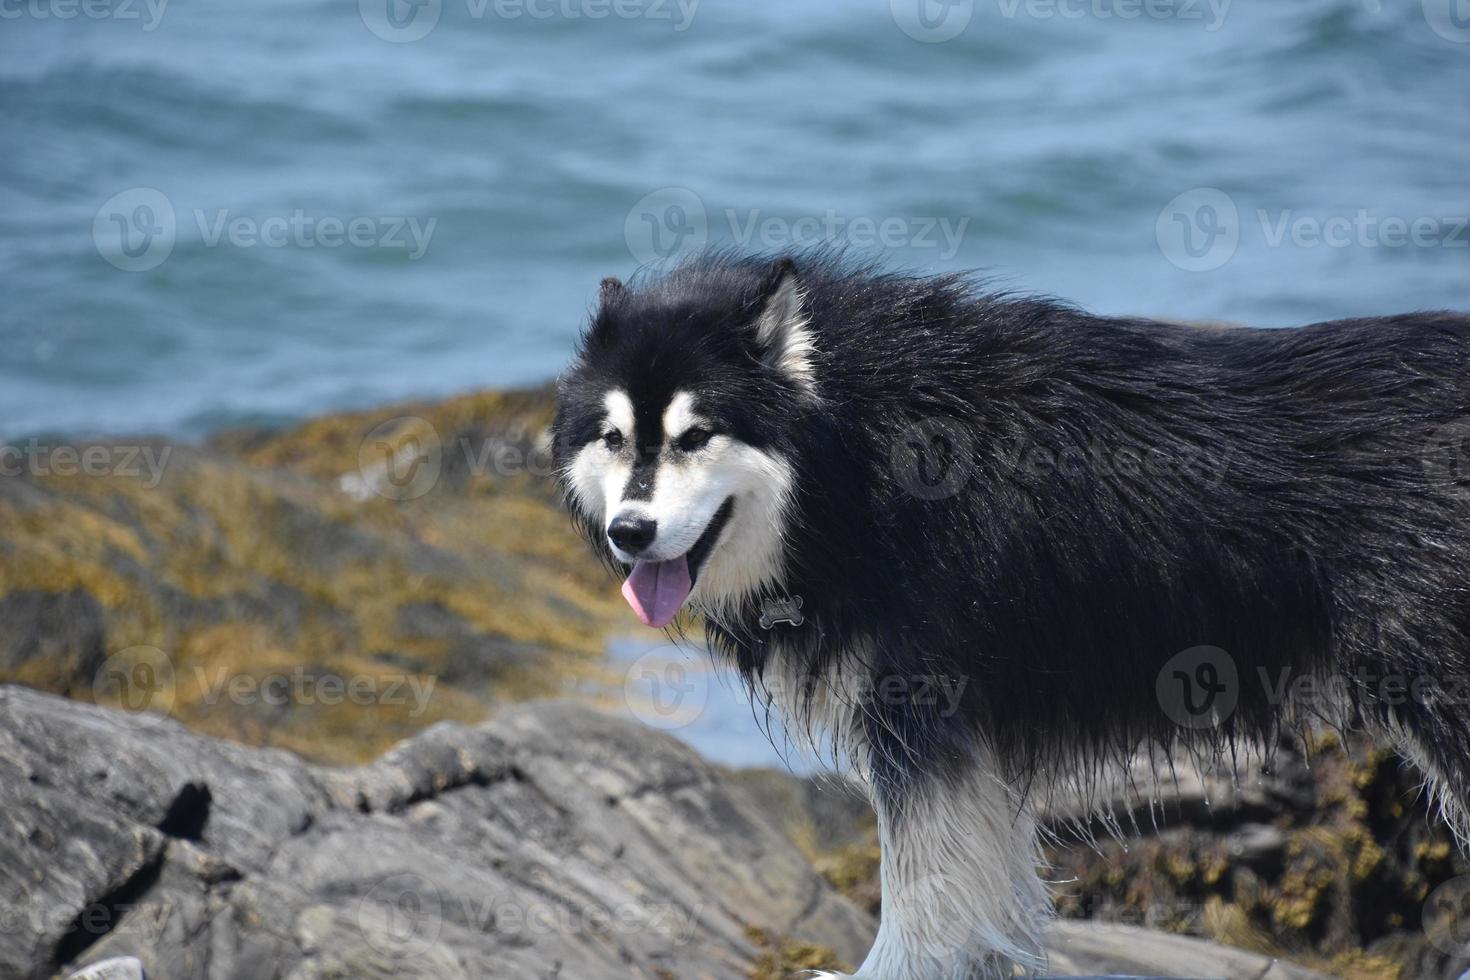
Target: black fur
<point x="1296" y="503"/>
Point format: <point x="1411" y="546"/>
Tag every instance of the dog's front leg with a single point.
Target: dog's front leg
<point x="962" y="898"/>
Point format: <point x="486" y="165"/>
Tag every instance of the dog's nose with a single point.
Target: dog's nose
<point x="632" y="533"/>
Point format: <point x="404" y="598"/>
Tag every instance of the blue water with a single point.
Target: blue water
<point x="681" y="689"/>
<point x="1052" y="144"/>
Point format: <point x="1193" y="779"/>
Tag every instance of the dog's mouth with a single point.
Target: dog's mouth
<point x="657" y="590"/>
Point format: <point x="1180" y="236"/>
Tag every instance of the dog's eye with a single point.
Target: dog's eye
<point x="694" y="439"/>
<point x="613" y="440"/>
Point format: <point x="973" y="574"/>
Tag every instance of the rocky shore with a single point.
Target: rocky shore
<point x="551" y="842"/>
<point x="304" y="732"/>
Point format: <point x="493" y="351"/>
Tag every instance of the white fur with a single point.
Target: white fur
<point x="962" y="897"/>
<point x="680" y="416"/>
<point x="961" y="893"/>
<point x="619" y="412"/>
<point x="784" y="329"/>
<point x="689" y="489"/>
<point x="748" y="557"/>
<point x="597" y="475"/>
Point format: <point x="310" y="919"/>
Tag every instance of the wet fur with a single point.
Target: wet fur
<point x="1303" y="513"/>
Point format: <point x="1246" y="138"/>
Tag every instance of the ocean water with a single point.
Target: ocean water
<point x="214" y="213"/>
<point x="681" y="689"/>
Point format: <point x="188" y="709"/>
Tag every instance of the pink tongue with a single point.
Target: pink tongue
<point x="657" y="589"/>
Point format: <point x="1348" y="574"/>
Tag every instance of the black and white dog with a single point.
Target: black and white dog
<point x="993" y="548"/>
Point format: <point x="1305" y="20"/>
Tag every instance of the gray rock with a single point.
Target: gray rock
<point x="550" y="842"/>
<point x="120" y="968"/>
<point x="1092" y="948"/>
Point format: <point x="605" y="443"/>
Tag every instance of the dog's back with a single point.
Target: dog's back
<point x="1118" y="492"/>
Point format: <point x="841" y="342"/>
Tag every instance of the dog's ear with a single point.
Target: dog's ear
<point x="783" y="328"/>
<point x="608" y="297"/>
<point x="612" y="288"/>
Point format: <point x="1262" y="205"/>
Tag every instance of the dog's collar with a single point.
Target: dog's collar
<point x="784" y="611"/>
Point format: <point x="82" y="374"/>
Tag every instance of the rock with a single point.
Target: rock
<point x="552" y="841"/>
<point x="825" y="812"/>
<point x="55" y="631"/>
<point x="121" y="968"/>
<point x="1088" y="948"/>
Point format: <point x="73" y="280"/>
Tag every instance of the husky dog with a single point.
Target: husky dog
<point x="988" y="548"/>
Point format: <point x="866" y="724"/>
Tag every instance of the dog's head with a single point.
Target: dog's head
<point x="672" y="427"/>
